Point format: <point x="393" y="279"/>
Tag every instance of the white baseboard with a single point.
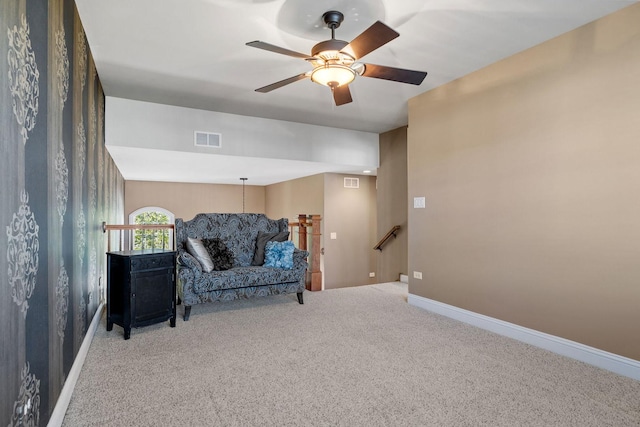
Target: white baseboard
<point x="57" y="416"/>
<point x="593" y="356"/>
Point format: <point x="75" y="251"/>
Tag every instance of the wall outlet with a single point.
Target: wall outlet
<point x="372" y="274"/>
<point x="417" y="275"/>
<point x="419" y="202"/>
<point x="334" y="236"/>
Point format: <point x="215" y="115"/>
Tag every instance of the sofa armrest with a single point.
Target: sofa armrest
<point x="185" y="259"/>
<point x="300" y="259"/>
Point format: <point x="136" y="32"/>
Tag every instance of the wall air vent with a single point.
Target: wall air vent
<point x="351" y="182"/>
<point x="207" y="139"/>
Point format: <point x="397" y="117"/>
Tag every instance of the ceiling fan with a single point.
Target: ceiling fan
<point x="334" y="61"/>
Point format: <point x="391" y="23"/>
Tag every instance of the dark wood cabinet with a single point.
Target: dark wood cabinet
<point x="141" y="288"/>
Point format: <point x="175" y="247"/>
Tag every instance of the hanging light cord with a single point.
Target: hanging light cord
<point x="243" y="180"/>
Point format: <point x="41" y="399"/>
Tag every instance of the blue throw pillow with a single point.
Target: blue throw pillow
<point x="279" y="254"/>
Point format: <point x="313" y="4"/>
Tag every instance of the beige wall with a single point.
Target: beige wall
<point x="392" y="205"/>
<point x="351" y="214"/>
<point x="299" y="196"/>
<point x="531" y="172"/>
<point x="186" y="200"/>
<point x="372" y="203"/>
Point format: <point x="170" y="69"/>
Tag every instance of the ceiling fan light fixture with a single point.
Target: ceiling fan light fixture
<point x="333" y="75"/>
<point x="334" y="61"/>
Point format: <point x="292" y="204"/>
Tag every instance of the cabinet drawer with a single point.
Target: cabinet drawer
<point x="152" y="262"/>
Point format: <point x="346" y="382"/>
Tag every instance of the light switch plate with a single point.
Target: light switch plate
<point x="334" y="236"/>
<point x="419" y="202"/>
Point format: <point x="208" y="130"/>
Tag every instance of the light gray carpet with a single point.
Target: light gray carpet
<point x="348" y="357"/>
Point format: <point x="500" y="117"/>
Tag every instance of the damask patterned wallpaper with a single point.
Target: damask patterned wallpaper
<point x="58" y="185"/>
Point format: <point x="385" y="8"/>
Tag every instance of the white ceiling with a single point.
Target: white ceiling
<point x="192" y="53"/>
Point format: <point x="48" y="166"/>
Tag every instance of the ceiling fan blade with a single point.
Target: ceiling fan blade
<point x="395" y="74"/>
<point x="281" y="83"/>
<point x="277" y="49"/>
<point x="370" y="39"/>
<point x="342" y="95"/>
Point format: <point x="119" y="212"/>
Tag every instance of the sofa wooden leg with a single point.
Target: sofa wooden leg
<point x="300" y="300"/>
<point x="187" y="312"/>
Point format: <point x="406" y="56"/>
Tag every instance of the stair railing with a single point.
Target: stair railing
<point x="386" y="237"/>
<point x="126" y="233"/>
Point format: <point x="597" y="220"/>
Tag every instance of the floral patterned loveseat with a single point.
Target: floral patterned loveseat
<point x="239" y="232"/>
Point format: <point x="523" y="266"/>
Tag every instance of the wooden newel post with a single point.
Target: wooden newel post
<point x="316" y="274"/>
<point x="302" y="232"/>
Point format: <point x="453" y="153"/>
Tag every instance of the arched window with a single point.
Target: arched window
<point x="147" y="239"/>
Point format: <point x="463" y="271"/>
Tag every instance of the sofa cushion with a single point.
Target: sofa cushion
<point x="237" y="231"/>
<point x="279" y="255"/>
<point x="199" y="252"/>
<point x="261" y="241"/>
<point x="187" y="260"/>
<point x="243" y="277"/>
<point x="221" y="256"/>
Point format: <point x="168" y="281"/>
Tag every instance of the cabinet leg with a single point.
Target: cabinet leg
<point x="127" y="333"/>
<point x="172" y="322"/>
<point x="300" y="300"/>
<point x="109" y="326"/>
<point x="187" y="312"/>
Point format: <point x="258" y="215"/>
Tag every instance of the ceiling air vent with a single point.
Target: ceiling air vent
<point x="352" y="183"/>
<point x="207" y="139"/>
